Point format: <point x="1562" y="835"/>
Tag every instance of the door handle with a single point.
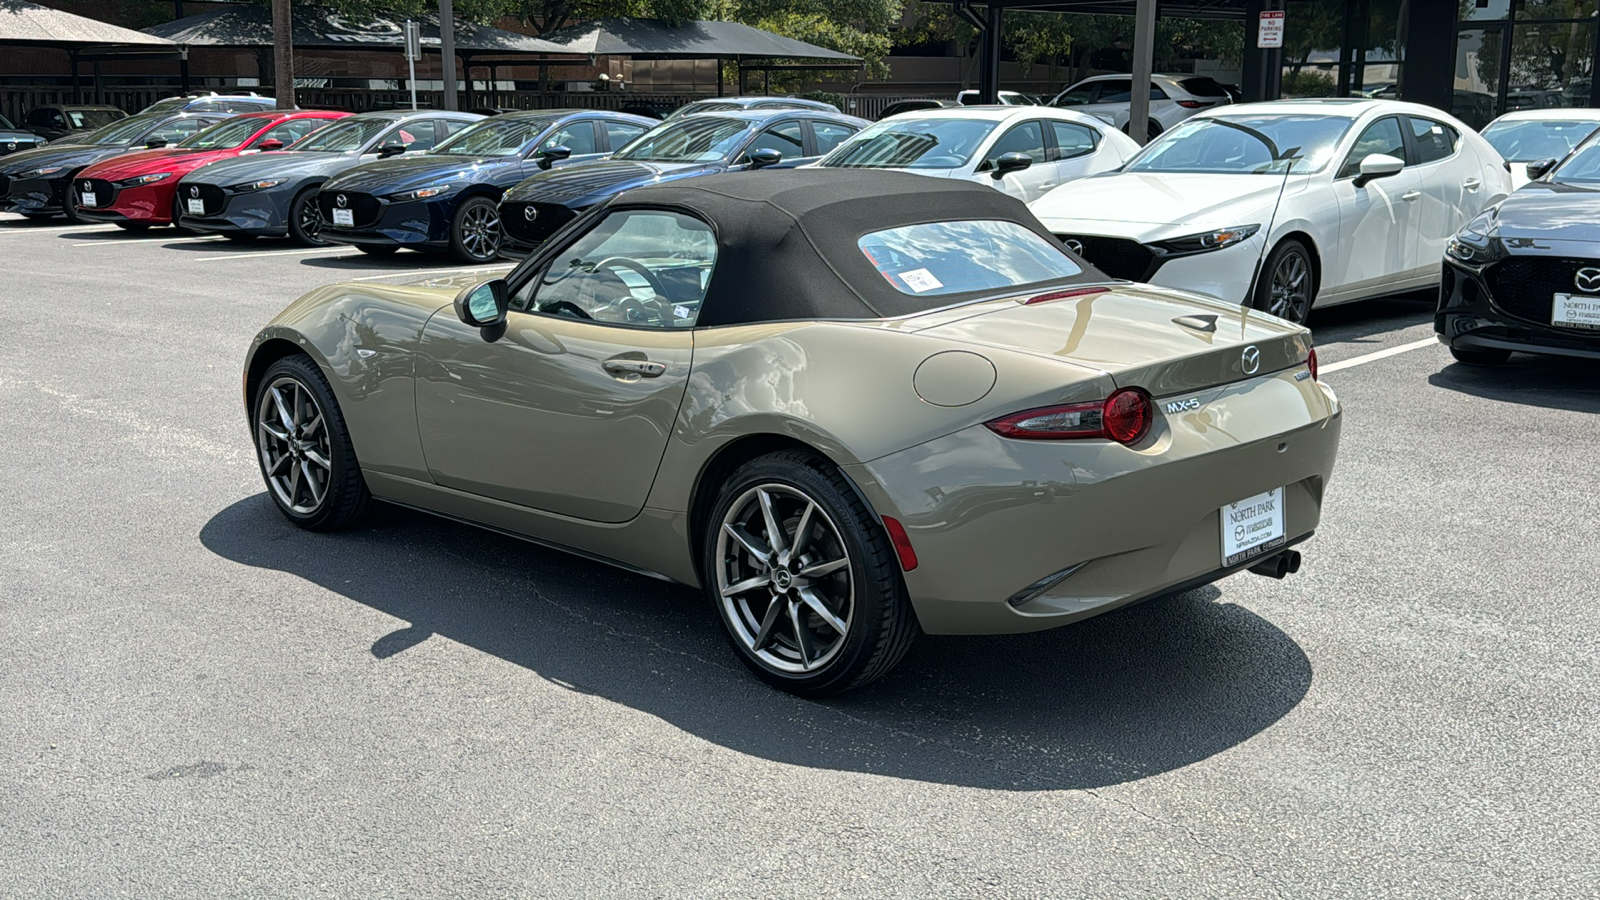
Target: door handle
<point x="1472" y="184"/>
<point x="621" y="367"/>
<point x="1409" y="196"/>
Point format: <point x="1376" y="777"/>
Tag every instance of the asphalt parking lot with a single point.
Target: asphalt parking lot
<point x="202" y="701"/>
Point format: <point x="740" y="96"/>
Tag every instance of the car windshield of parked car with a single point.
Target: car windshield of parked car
<point x="493" y="137"/>
<point x="704" y="106"/>
<point x="687" y="141"/>
<point x="122" y="132"/>
<point x="1244" y="145"/>
<point x="1582" y="167"/>
<point x="6" y="123"/>
<point x="93" y="118"/>
<point x="227" y="133"/>
<point x="1527" y="141"/>
<point x="171" y="104"/>
<point x="956" y="257"/>
<point x="910" y="143"/>
<point x="343" y="136"/>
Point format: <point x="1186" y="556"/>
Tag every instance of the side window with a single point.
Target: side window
<point x="621" y="133"/>
<point x="175" y="131"/>
<point x="1026" y="138"/>
<point x="210" y="106"/>
<point x="291" y="131"/>
<point x="575" y="136"/>
<point x="786" y="138"/>
<point x="829" y="135"/>
<point x="451" y="126"/>
<point x="1079" y="95"/>
<point x="1434" y="140"/>
<point x="1382" y="136"/>
<point x="417" y="136"/>
<point x="645" y="268"/>
<point x="1119" y="90"/>
<point x="1072" y="140"/>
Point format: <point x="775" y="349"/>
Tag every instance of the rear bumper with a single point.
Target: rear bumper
<point x="1076" y="529"/>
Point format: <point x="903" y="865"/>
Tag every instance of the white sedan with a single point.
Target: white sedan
<point x="1024" y="151"/>
<point x="1530" y="135"/>
<point x="1333" y="200"/>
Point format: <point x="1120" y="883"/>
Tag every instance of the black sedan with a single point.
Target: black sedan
<point x="34" y="182"/>
<point x="1525" y="275"/>
<point x="56" y="122"/>
<point x="276" y="193"/>
<point x="447" y="198"/>
<point x="680" y="148"/>
<point x="13" y="139"/>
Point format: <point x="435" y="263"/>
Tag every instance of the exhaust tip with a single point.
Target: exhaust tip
<point x="1278" y="565"/>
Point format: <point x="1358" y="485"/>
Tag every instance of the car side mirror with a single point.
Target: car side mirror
<point x="764" y="157"/>
<point x="484" y="304"/>
<point x="549" y="156"/>
<point x="273" y="144"/>
<point x="1378" y="165"/>
<point x="155" y="143"/>
<point x="1010" y="162"/>
<point x="388" y="150"/>
<point x="1539" y="168"/>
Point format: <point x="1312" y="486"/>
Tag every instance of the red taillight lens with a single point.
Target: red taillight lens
<point x="901" y="542"/>
<point x="1191" y="104"/>
<point x="1311" y="362"/>
<point x="1125" y="417"/>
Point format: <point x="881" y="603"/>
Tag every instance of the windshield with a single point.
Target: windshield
<point x="123" y="131"/>
<point x="493" y="137"/>
<point x="6" y="123"/>
<point x="1582" y="167"/>
<point x="689" y="140"/>
<point x="170" y="104"/>
<point x="1244" y="145"/>
<point x="908" y="143"/>
<point x="93" y="118"/>
<point x="957" y="257"/>
<point x="1527" y="141"/>
<point x="342" y="137"/>
<point x="704" y="106"/>
<point x="227" y="133"/>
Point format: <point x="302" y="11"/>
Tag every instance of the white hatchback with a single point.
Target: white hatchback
<point x="1328" y="200"/>
<point x="1530" y="135"/>
<point x="1024" y="151"/>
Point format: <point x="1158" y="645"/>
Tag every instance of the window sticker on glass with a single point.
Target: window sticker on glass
<point x="921" y="280"/>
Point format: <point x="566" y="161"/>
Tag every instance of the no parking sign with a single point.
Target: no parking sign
<point x="1269" y="33"/>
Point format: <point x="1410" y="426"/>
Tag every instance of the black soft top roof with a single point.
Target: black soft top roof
<point x="787" y="239"/>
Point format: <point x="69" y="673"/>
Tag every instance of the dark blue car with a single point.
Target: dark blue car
<point x="681" y="148"/>
<point x="448" y="197"/>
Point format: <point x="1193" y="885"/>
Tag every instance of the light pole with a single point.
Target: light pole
<point x="447" y="51"/>
<point x="283" y="54"/>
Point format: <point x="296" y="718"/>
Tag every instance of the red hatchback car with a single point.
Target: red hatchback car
<point x="138" y="190"/>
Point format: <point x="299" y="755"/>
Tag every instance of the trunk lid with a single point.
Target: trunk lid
<point x="1166" y="342"/>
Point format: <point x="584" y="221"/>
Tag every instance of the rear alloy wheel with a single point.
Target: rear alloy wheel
<point x="1287" y="284"/>
<point x="1485" y="356"/>
<point x="475" y="234"/>
<point x="305" y="223"/>
<point x="378" y="249"/>
<point x="804" y="578"/>
<point x="304" y="448"/>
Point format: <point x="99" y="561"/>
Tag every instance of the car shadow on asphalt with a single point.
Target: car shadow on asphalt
<point x="1124" y="696"/>
<point x="405" y="260"/>
<point x="1367" y="321"/>
<point x="1550" y="382"/>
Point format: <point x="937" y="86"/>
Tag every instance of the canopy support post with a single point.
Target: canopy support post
<point x="99" y="91"/>
<point x="466" y="76"/>
<point x="183" y="69"/>
<point x="1144" y="48"/>
<point x="719" y="76"/>
<point x="989" y="71"/>
<point x="447" y="51"/>
<point x="77" y="87"/>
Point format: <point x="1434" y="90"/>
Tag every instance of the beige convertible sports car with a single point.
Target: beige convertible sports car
<point x="850" y="406"/>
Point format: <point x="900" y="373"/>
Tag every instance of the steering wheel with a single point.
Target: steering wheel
<point x="636" y="267"/>
<point x="567" y="306"/>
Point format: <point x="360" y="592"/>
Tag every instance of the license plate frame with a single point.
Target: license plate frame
<point x="344" y="218"/>
<point x="197" y="207"/>
<point x="88" y="198"/>
<point x="1575" y="311"/>
<point x="1252" y="527"/>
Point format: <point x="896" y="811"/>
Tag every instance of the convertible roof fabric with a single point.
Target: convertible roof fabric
<point x="787" y="240"/>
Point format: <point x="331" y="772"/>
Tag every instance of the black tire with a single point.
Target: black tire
<point x="305" y="223"/>
<point x="1483" y="356"/>
<point x="344" y="496"/>
<point x="475" y="234"/>
<point x="69" y="205"/>
<point x="378" y="249"/>
<point x="871" y="601"/>
<point x="239" y="237"/>
<point x="134" y="226"/>
<point x="1288" y="263"/>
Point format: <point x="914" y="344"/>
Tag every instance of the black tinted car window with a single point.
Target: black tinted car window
<point x="1382" y="136"/>
<point x="1072" y="140"/>
<point x="786" y="138"/>
<point x="829" y="135"/>
<point x="575" y="136"/>
<point x="1434" y="140"/>
<point x="1027" y="139"/>
<point x="621" y="133"/>
<point x="1202" y="87"/>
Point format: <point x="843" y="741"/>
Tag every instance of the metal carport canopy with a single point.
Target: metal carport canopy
<point x="31" y="25"/>
<point x="321" y="28"/>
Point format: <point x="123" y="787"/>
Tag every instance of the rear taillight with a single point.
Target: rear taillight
<point x="1311" y="363"/>
<point x="1191" y="104"/>
<point x="1124" y="417"/>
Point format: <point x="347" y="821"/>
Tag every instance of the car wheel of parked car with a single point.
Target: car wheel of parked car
<point x="805" y="579"/>
<point x="305" y="223"/>
<point x="69" y="206"/>
<point x="1287" y="284"/>
<point x="1486" y="356"/>
<point x="304" y="448"/>
<point x="378" y="249"/>
<point x="475" y="235"/>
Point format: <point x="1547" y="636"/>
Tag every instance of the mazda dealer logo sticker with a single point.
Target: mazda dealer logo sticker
<point x="1250" y="360"/>
<point x="1075" y="245"/>
<point x="194" y="191"/>
<point x="342" y="200"/>
<point x="530" y="213"/>
<point x="1588" y="280"/>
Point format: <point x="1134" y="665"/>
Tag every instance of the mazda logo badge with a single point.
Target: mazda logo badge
<point x="194" y="191"/>
<point x="1588" y="280"/>
<point x="1250" y="360"/>
<point x="11" y="145"/>
<point x="87" y="187"/>
<point x="1075" y="245"/>
<point x="342" y="200"/>
<point x="530" y="213"/>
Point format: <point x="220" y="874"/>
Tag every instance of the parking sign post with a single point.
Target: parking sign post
<point x="413" y="53"/>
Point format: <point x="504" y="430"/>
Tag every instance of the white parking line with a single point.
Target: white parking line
<point x="429" y="272"/>
<point x="282" y="253"/>
<point x="134" y="240"/>
<point x="52" y="229"/>
<point x="1376" y="355"/>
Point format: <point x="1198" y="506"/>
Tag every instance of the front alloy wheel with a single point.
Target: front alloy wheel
<point x="304" y="448"/>
<point x="477" y="231"/>
<point x="1289" y="284"/>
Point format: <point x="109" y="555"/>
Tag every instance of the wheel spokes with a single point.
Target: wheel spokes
<point x="769" y="624"/>
<point x="802" y="637"/>
<point x="818" y="570"/>
<point x="810" y="598"/>
<point x="751" y="544"/>
<point x="775" y="535"/>
<point x="749" y="584"/>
